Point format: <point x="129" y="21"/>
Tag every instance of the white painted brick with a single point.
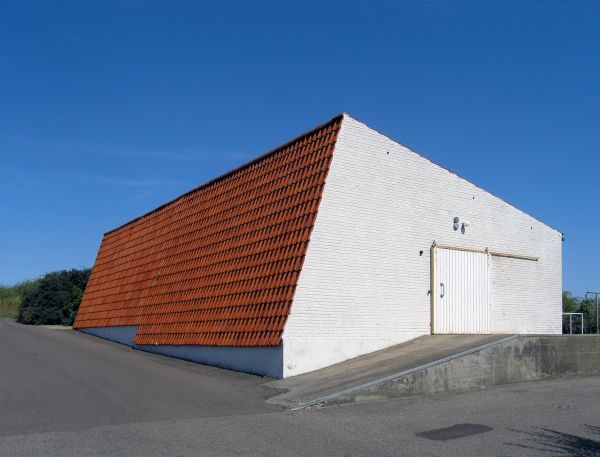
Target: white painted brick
<point x="364" y="285"/>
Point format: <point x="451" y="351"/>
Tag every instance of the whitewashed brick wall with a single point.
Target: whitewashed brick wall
<point x="365" y="282"/>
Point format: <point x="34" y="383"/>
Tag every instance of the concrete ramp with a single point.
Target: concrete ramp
<point x="306" y="388"/>
<point x="443" y="363"/>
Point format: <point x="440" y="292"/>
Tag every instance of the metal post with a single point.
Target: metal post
<point x="571" y="321"/>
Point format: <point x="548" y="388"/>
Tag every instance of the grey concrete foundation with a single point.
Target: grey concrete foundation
<point x="263" y="361"/>
<point x="123" y="335"/>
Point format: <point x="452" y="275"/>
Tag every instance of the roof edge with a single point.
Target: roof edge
<point x="233" y="171"/>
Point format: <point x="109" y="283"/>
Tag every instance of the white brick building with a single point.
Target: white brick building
<point x="399" y="248"/>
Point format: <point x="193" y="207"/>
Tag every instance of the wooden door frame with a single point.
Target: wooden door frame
<point x="432" y="268"/>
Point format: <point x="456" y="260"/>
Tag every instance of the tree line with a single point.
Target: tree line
<point x="585" y="306"/>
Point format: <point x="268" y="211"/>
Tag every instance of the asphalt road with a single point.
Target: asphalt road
<point x="69" y="394"/>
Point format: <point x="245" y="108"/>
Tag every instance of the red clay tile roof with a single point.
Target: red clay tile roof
<point x="219" y="265"/>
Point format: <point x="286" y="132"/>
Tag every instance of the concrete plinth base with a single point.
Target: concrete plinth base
<point x="263" y="361"/>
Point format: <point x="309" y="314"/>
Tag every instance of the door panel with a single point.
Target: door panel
<point x="462" y="292"/>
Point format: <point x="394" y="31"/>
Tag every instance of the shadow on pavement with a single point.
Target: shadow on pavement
<point x="560" y="443"/>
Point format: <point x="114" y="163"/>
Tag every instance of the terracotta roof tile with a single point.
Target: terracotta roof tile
<point x="219" y="265"/>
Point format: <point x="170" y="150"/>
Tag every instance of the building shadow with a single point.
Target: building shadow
<point x="555" y="442"/>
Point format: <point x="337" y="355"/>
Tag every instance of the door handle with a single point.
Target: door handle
<point x="443" y="290"/>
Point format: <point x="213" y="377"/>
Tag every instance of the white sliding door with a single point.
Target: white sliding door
<point x="462" y="292"/>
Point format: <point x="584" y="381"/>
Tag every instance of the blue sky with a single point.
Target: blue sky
<point x="108" y="109"/>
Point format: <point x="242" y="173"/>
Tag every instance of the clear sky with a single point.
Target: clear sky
<point x="108" y="109"/>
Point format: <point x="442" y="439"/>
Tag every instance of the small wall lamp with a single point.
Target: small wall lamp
<point x="457" y="224"/>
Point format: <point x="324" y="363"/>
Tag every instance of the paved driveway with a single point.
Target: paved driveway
<point x="68" y="394"/>
<point x="53" y="380"/>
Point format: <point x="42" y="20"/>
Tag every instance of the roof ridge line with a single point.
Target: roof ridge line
<point x="235" y="170"/>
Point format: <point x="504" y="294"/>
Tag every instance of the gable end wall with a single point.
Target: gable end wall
<point x="364" y="284"/>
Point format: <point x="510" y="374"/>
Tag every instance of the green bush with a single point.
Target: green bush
<point x="56" y="298"/>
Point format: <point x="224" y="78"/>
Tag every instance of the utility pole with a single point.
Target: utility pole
<point x="596" y="294"/>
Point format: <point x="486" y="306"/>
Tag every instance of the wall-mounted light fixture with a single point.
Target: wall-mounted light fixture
<point x="458" y="225"/>
<point x="464" y="226"/>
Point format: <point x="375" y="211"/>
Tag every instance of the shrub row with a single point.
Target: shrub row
<point x="55" y="298"/>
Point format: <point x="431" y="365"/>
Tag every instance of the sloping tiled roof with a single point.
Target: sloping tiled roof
<point x="219" y="265"/>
